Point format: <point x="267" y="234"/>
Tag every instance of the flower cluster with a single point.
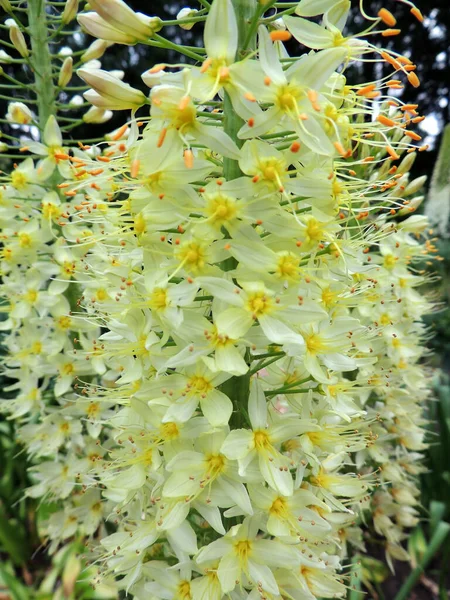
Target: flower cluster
<point x="224" y="307"/>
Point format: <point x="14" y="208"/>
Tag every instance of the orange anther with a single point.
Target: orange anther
<point x="134" y="169"/>
<point x="156" y="68"/>
<point x="392" y="153"/>
<point x="251" y="122"/>
<point x="267" y="80"/>
<point x="386" y="121"/>
<point x="184" y="102"/>
<point x="388" y="58"/>
<point x="366" y="90"/>
<point x="227" y="247"/>
<point x="70" y="194"/>
<point x="413" y="79"/>
<point x="280" y="36"/>
<point x="62" y="185"/>
<point x="255" y="179"/>
<point x="96" y="172"/>
<point x="104" y="159"/>
<point x="120" y="132"/>
<point x="188" y="159"/>
<point x="424" y="148"/>
<point x="61" y="156"/>
<point x="295" y="147"/>
<point x="418" y="119"/>
<point x="303" y="117"/>
<point x="250" y="97"/>
<point x="390" y="32"/>
<point x="206" y="64"/>
<point x="404" y="60"/>
<point x="387" y="17"/>
<point x="416" y="13"/>
<point x="162" y="137"/>
<point x="414" y="136"/>
<point x="24" y="149"/>
<point x="368" y="159"/>
<point x="340" y="148"/>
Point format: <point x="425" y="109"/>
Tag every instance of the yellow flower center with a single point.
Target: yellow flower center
<point x="31" y="296"/>
<point x="93" y="409"/>
<point x="25" y="240"/>
<point x="389" y="261"/>
<point x="288" y="97"/>
<point x="199" y="384"/>
<point x="184" y="591"/>
<point x="216" y="464"/>
<point x="170" y="431"/>
<point x="288" y="267"/>
<point x="101" y="294"/>
<point x="158" y="299"/>
<point x="259" y="304"/>
<point x="64" y="322"/>
<point x="221" y="210"/>
<point x="329" y="298"/>
<point x="19" y="180"/>
<point x="67" y="369"/>
<point x="193" y="255"/>
<point x="314" y="230"/>
<point x="278" y="507"/>
<point x="261" y="439"/>
<point x="314" y="343"/>
<point x="243" y="550"/>
<point x="139" y="224"/>
<point x="50" y="211"/>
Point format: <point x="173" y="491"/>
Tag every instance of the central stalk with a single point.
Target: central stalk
<point x="237" y="388"/>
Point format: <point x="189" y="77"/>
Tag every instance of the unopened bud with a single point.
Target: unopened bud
<point x="414" y="223"/>
<point x="97" y="115"/>
<point x="5" y="57"/>
<point x="17" y="39"/>
<point x="95" y="50"/>
<point x="415" y="185"/>
<point x="19" y="113"/>
<point x="412" y="206"/>
<point x="99" y="28"/>
<point x="3" y="147"/>
<point x="186" y="13"/>
<point x="123" y="18"/>
<point x="70" y="11"/>
<point x="110" y="93"/>
<point x="407" y="163"/>
<point x="66" y="72"/>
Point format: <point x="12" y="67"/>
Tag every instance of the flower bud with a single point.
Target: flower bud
<point x="415" y="185"/>
<point x="18" y="40"/>
<point x="95" y="50"/>
<point x="19" y="113"/>
<point x="5" y="57"/>
<point x="109" y="92"/>
<point x="412" y="206"/>
<point x="185" y="13"/>
<point x="99" y="28"/>
<point x="123" y="18"/>
<point x="70" y="11"/>
<point x="3" y="147"/>
<point x="97" y="115"/>
<point x="66" y="72"/>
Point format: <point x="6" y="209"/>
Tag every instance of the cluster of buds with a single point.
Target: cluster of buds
<point x="214" y="321"/>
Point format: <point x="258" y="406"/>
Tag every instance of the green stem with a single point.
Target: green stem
<point x="237" y="388"/>
<point x="45" y="89"/>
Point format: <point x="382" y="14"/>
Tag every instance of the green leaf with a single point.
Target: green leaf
<point x="435" y="543"/>
<point x="16" y="590"/>
<point x="438" y="205"/>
